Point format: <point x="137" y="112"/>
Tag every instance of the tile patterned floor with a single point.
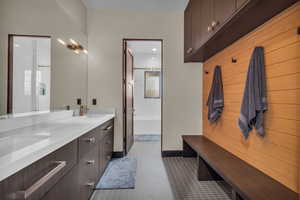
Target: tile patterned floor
<point x="182" y="173"/>
<point x="172" y="178"/>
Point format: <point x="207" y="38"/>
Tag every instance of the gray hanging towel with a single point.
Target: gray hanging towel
<point x="255" y="98"/>
<point x="215" y="100"/>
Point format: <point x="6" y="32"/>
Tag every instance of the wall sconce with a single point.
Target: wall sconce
<point x="74" y="46"/>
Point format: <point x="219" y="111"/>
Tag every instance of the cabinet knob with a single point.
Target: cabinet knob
<point x="189" y="50"/>
<point x="214" y="24"/>
<point x="90" y="162"/>
<point x="91" y="140"/>
<point x="108" y="157"/>
<point x="90" y="184"/>
<point x="209" y="29"/>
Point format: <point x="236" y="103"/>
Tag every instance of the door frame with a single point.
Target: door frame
<point x="10" y="66"/>
<point x="124" y="112"/>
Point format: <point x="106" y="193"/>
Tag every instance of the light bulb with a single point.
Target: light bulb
<point x="61" y="41"/>
<point x="73" y="42"/>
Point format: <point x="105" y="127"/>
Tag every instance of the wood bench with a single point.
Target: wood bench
<point x="247" y="182"/>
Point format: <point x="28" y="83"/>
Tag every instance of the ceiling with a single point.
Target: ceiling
<point x="145" y="47"/>
<point x="138" y="5"/>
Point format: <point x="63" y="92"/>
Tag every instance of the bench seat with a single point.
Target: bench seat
<point x="246" y="181"/>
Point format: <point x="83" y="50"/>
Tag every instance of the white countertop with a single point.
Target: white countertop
<point x="23" y="146"/>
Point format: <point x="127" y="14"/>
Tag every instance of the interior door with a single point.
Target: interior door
<point x="129" y="138"/>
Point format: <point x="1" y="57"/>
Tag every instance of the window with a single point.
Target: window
<point x="152" y="84"/>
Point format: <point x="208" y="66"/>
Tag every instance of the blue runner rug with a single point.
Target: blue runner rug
<point x="120" y="174"/>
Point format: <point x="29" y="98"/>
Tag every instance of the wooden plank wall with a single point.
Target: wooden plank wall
<point x="277" y="154"/>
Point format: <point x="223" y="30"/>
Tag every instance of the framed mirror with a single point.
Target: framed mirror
<point x="29" y="73"/>
<point x="43" y="58"/>
<point x="152" y="85"/>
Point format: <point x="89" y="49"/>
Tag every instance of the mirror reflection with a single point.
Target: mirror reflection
<point x="29" y="73"/>
<point x="43" y="58"/>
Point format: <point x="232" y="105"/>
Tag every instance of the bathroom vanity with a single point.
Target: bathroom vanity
<point x="57" y="159"/>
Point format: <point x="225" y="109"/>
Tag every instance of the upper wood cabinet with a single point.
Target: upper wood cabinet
<point x="202" y="19"/>
<point x="240" y="3"/>
<point x="206" y="9"/>
<point x="188" y="30"/>
<point x="212" y="25"/>
<point x="222" y="11"/>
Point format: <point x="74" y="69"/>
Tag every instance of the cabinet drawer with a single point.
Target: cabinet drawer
<point x="88" y="173"/>
<point x="33" y="182"/>
<point x="65" y="189"/>
<point x="107" y="149"/>
<point x="88" y="142"/>
<point x="106" y="128"/>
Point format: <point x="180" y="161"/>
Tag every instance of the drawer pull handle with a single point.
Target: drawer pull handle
<point x="90" y="140"/>
<point x="108" y="128"/>
<point x="90" y="184"/>
<point x="37" y="185"/>
<point x="90" y="162"/>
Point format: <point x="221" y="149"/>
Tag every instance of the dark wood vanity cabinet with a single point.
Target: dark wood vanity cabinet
<point x="71" y="172"/>
<point x="212" y="25"/>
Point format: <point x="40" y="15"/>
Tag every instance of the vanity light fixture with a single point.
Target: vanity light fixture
<point x="74" y="46"/>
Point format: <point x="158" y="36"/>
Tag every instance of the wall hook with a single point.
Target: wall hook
<point x="233" y="60"/>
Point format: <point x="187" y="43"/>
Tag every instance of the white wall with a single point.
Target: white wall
<point x="182" y="100"/>
<point x="144" y="107"/>
<point x="147" y="117"/>
<point x="60" y="19"/>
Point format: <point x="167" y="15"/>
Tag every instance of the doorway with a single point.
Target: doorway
<point x="142" y="91"/>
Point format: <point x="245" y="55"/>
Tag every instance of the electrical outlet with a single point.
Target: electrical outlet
<point x="94" y="101"/>
<point x="79" y="101"/>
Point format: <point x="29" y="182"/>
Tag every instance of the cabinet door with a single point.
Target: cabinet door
<point x="222" y="11"/>
<point x="196" y="25"/>
<point x="187" y="30"/>
<point x="206" y="20"/>
<point x="240" y="3"/>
